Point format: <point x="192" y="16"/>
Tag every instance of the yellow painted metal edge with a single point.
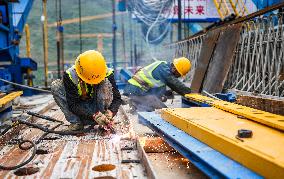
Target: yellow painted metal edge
<point x="234" y="149"/>
<point x="9" y="97"/>
<point x="266" y="118"/>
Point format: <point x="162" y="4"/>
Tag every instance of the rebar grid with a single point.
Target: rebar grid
<point x="258" y="61"/>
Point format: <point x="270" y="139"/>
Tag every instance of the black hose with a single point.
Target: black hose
<point x="44" y="117"/>
<point x="33" y="145"/>
<point x="7" y="129"/>
<point x="25" y="86"/>
<point x="45" y="129"/>
<point x="46" y="133"/>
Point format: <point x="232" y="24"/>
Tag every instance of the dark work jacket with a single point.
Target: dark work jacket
<point x="163" y="73"/>
<point x="75" y="103"/>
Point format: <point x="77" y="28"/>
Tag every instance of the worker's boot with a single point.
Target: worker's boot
<point x="75" y="127"/>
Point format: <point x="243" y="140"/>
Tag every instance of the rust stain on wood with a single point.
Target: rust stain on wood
<point x="55" y="157"/>
<point x="125" y="174"/>
<point x="104" y="167"/>
<point x="13" y="157"/>
<point x="103" y="147"/>
<point x="99" y="149"/>
<point x="86" y="150"/>
<point x="84" y="154"/>
<point x="67" y="165"/>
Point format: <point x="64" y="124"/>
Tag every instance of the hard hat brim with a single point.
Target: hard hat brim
<point x="181" y="74"/>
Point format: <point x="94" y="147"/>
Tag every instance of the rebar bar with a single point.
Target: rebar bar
<point x="259" y="58"/>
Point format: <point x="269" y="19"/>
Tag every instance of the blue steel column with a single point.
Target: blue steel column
<point x="261" y="4"/>
<point x="194" y="27"/>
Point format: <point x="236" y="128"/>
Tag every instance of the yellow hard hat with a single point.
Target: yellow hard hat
<point x="182" y="65"/>
<point x="91" y="67"/>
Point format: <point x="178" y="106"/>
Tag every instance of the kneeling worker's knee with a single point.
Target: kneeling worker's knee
<point x="55" y="86"/>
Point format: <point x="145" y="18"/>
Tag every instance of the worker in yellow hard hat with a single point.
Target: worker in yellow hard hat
<point x="147" y="87"/>
<point x="88" y="93"/>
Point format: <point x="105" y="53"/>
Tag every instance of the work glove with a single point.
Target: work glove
<point x="105" y="121"/>
<point x="109" y="115"/>
<point x="101" y="119"/>
<point x="109" y="127"/>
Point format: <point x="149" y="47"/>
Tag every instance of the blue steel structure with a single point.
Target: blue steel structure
<point x="230" y="97"/>
<point x="213" y="163"/>
<point x="261" y="4"/>
<point x="13" y="16"/>
<point x="125" y="74"/>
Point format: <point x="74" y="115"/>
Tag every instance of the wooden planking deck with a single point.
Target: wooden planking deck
<point x="74" y="157"/>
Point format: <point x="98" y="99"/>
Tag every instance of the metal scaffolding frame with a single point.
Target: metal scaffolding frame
<point x="259" y="58"/>
<point x="258" y="63"/>
<point x="191" y="49"/>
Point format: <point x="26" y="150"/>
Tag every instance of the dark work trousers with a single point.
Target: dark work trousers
<point x="146" y="103"/>
<point x="59" y="95"/>
<point x="145" y="100"/>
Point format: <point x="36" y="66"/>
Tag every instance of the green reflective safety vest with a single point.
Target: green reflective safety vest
<point x="144" y="78"/>
<point x="82" y="85"/>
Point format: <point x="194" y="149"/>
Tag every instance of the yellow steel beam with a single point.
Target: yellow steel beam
<point x="266" y="118"/>
<point x="244" y="8"/>
<point x="227" y="12"/>
<point x="28" y="41"/>
<point x="45" y="40"/>
<point x="28" y="51"/>
<point x="234" y="7"/>
<point x="218" y="7"/>
<point x="200" y="98"/>
<point x="9" y="97"/>
<point x="263" y="153"/>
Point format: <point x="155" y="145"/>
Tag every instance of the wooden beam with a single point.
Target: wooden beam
<point x="83" y="19"/>
<point x="94" y="35"/>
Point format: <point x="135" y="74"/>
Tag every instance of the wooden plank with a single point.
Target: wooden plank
<point x="223" y="56"/>
<point x="155" y="145"/>
<point x="75" y="156"/>
<point x="262" y="102"/>
<point x="207" y="50"/>
<point x="145" y="161"/>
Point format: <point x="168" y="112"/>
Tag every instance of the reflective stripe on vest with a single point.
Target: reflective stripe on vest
<point x="75" y="79"/>
<point x="144" y="78"/>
